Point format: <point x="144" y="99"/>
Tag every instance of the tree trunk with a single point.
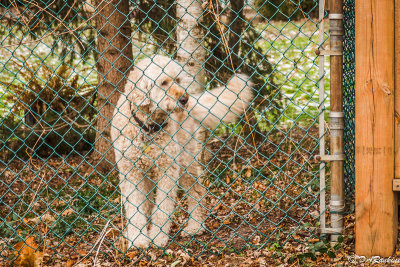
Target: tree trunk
<point x="191" y="52"/>
<point x="236" y="22"/>
<point x="115" y="54"/>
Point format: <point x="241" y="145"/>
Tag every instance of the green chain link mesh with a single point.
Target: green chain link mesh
<point x="59" y="58"/>
<point x="349" y="95"/>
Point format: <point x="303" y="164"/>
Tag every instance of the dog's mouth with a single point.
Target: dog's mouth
<point x="156" y="127"/>
<point x="153" y="124"/>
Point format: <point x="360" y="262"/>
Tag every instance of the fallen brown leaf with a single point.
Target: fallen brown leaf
<point x="70" y="262"/>
<point x="67" y="212"/>
<point x="248" y="172"/>
<point x="131" y="254"/>
<point x="143" y="263"/>
<point x="228" y="179"/>
<point x="27" y="253"/>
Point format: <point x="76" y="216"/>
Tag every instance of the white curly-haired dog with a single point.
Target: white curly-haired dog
<point x="157" y="134"/>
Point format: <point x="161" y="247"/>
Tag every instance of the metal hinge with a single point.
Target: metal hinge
<point x="327" y="158"/>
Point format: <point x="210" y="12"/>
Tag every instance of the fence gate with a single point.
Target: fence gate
<point x="64" y="65"/>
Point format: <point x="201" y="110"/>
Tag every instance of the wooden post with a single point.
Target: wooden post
<point x="397" y="89"/>
<point x="376" y="205"/>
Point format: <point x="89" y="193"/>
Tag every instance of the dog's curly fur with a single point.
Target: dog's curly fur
<point x="157" y="133"/>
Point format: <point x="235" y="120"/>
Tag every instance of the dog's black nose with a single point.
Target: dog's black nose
<point x="183" y="100"/>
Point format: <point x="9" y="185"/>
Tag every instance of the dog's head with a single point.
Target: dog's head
<point x="153" y="88"/>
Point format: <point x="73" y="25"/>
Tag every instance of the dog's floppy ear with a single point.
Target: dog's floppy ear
<point x="137" y="87"/>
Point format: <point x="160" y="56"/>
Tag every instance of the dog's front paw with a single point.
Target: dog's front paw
<point x="141" y="242"/>
<point x="136" y="239"/>
<point x="159" y="238"/>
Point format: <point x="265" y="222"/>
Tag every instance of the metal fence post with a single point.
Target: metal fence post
<point x="336" y="125"/>
<point x="336" y="117"/>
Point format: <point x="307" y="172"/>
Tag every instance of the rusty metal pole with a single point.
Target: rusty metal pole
<point x="336" y="118"/>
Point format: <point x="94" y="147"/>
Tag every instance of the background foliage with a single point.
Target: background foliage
<point x="287" y="9"/>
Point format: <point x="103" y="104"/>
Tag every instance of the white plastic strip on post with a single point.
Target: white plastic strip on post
<point x="322" y="204"/>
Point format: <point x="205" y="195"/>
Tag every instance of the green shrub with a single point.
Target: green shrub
<point x="51" y="111"/>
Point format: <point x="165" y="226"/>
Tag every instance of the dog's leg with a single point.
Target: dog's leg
<point x="195" y="194"/>
<point x="164" y="206"/>
<point x="137" y="210"/>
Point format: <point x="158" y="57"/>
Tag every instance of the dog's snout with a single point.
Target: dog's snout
<point x="184" y="99"/>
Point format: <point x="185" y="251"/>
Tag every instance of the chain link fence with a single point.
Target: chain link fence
<point x="349" y="95"/>
<point x="69" y="191"/>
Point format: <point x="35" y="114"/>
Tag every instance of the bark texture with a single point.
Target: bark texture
<point x="191" y="54"/>
<point x="114" y="60"/>
<point x="190" y="37"/>
<point x="236" y="23"/>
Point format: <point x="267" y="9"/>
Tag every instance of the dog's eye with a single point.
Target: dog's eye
<point x="178" y="80"/>
<point x="164" y="83"/>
